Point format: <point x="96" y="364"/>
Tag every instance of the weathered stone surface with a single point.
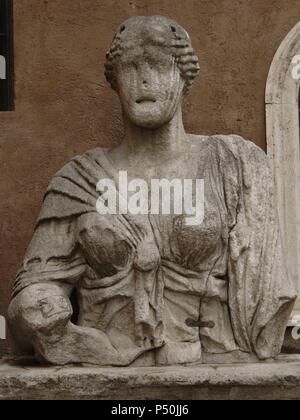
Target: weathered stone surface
<point x="265" y="381"/>
<point x="282" y="120"/>
<point x="205" y="283"/>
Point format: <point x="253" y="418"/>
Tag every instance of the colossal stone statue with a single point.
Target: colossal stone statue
<point x="151" y="288"/>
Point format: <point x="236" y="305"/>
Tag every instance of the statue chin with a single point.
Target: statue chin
<point x="151" y="116"/>
<point x="150" y="123"/>
<point x="151" y="289"/>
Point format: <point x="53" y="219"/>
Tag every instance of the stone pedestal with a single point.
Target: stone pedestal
<point x="272" y="380"/>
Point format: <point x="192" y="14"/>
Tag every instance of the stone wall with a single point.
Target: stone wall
<point x="63" y="105"/>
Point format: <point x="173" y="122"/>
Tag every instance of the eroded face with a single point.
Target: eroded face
<point x="150" y="85"/>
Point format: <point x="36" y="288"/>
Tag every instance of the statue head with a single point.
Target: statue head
<point x="151" y="64"/>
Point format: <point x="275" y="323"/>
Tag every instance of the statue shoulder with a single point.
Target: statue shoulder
<point x="86" y="159"/>
<point x="229" y="147"/>
<point x="240" y="147"/>
<point x="238" y="160"/>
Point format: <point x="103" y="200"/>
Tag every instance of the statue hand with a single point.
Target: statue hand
<point x="42" y="308"/>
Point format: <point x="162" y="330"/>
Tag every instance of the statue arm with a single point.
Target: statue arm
<point x="52" y="267"/>
<point x="40" y="311"/>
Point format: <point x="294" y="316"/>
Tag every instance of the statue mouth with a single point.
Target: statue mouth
<point x="146" y="99"/>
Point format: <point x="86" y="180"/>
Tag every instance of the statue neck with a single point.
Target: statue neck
<point x="166" y="141"/>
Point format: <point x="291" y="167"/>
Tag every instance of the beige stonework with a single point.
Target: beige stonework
<point x="282" y="118"/>
<point x="279" y="380"/>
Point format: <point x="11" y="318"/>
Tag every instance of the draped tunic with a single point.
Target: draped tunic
<point x="139" y="278"/>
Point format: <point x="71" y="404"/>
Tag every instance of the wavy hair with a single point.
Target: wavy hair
<point x="180" y="47"/>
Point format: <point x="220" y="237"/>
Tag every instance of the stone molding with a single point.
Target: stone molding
<point x="282" y="125"/>
<point x="257" y="381"/>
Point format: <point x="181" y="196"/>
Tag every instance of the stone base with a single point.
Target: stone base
<point x="258" y="381"/>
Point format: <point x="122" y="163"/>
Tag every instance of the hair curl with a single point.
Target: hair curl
<point x="180" y="48"/>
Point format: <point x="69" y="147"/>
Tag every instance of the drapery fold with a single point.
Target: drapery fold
<point x="258" y="291"/>
<point x="261" y="294"/>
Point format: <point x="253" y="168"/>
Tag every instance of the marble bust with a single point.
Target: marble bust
<point x="151" y="289"/>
